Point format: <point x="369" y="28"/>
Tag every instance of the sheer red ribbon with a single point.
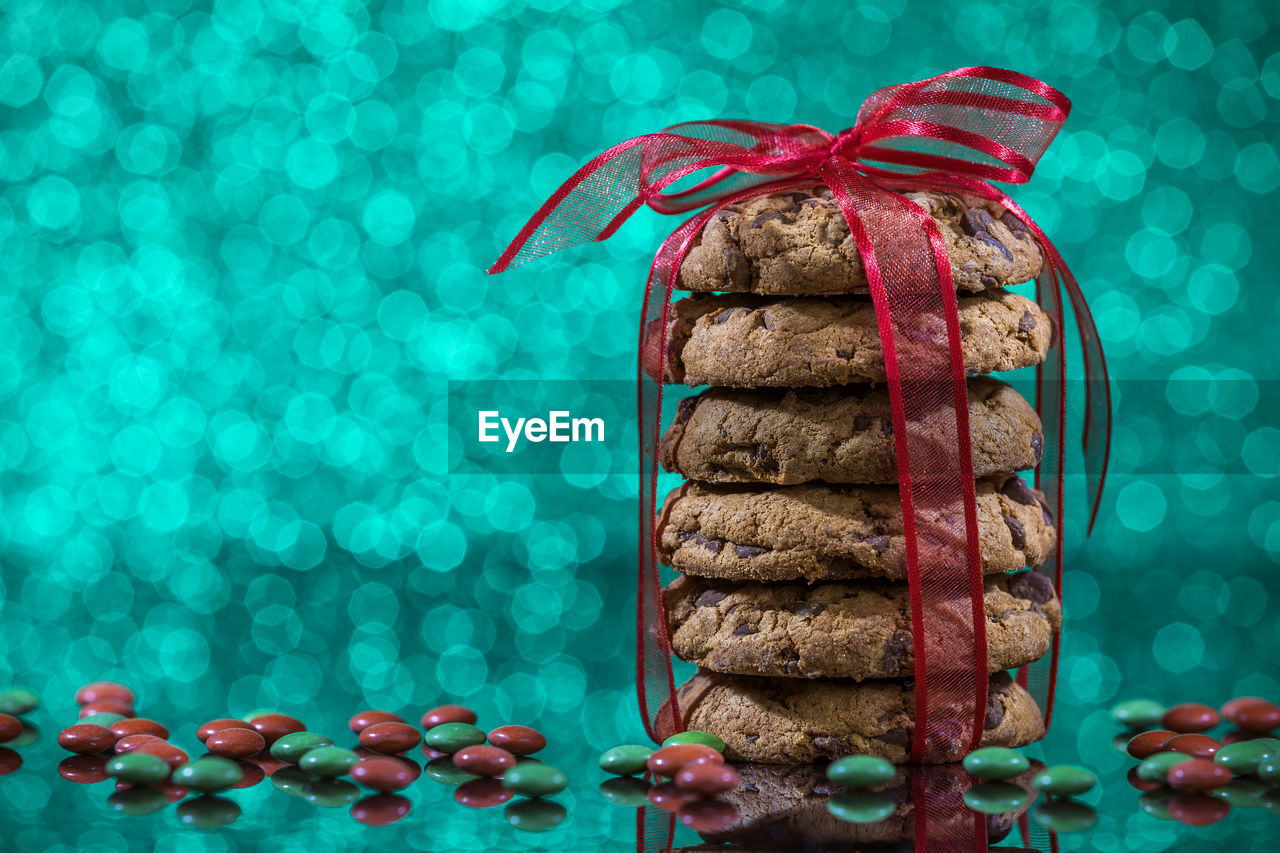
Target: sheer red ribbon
<point x="954" y="132"/>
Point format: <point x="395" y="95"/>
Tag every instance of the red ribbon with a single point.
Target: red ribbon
<point x="954" y="132"/>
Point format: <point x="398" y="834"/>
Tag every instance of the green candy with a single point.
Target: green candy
<point x="860" y="771"/>
<point x="1139" y="713"/>
<point x="290" y="780"/>
<point x="1120" y="743"/>
<point x="1156" y="803"/>
<point x="1243" y="758"/>
<point x="1065" y="816"/>
<point x="444" y="771"/>
<point x="208" y="774"/>
<point x="1242" y="793"/>
<point x="535" y="815"/>
<point x="330" y="793"/>
<point x="328" y="761"/>
<point x="1065" y="780"/>
<point x="106" y="720"/>
<point x="625" y="791"/>
<point x="30" y="734"/>
<point x="291" y="748"/>
<point x="1269" y="768"/>
<point x="996" y="762"/>
<point x="208" y="812"/>
<point x="995" y="797"/>
<point x="451" y="737"/>
<point x="626" y="760"/>
<point x="138" y="801"/>
<point x="17" y="701"/>
<point x="1271" y="800"/>
<point x="138" y="768"/>
<point x="693" y="736"/>
<point x="860" y="806"/>
<point x="534" y="779"/>
<point x="1156" y="768"/>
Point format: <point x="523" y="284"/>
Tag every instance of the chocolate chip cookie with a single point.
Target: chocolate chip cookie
<point x="784" y="720"/>
<point x="840" y="435"/>
<point x="745" y="341"/>
<point x="817" y="531"/>
<point x="797" y="243"/>
<point x="841" y="630"/>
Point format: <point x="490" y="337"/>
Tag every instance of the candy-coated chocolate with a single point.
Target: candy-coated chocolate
<point x="98" y="691"/>
<point x="1064" y="780"/>
<point x="83" y="769"/>
<point x="1198" y="775"/>
<point x="1201" y="746"/>
<point x="1190" y="717"/>
<point x="235" y="742"/>
<point x="694" y="736"/>
<point x="138" y="726"/>
<point x="208" y="812"/>
<point x="1258" y="716"/>
<point x="1148" y="743"/>
<point x="708" y="816"/>
<point x="484" y="760"/>
<point x="290" y="780"/>
<point x="330" y="793"/>
<point x="10" y="728"/>
<point x="451" y="737"/>
<point x="219" y="724"/>
<point x="380" y="809"/>
<point x="432" y="754"/>
<point x="251" y="774"/>
<point x="1156" y="767"/>
<point x="172" y="755"/>
<point x="442" y="714"/>
<point x="138" y="768"/>
<point x="208" y="774"/>
<point x="104" y="719"/>
<point x="107" y="706"/>
<point x="996" y="762"/>
<point x="535" y="815"/>
<point x="860" y="806"/>
<point x="670" y="798"/>
<point x="1138" y="713"/>
<point x="385" y="773"/>
<point x="534" y="779"/>
<point x="518" y="740"/>
<point x="669" y="759"/>
<point x="625" y="791"/>
<point x="1120" y="743"/>
<point x="1197" y="809"/>
<point x="1156" y="803"/>
<point x="293" y="746"/>
<point x="996" y="797"/>
<point x="138" y="801"/>
<point x="707" y="778"/>
<point x="1242" y="793"/>
<point x="10" y="761"/>
<point x="259" y="712"/>
<point x="18" y="701"/>
<point x="1269" y="768"/>
<point x="1231" y="709"/>
<point x="132" y="742"/>
<point x="1141" y="784"/>
<point x="364" y="719"/>
<point x="482" y="794"/>
<point x="1242" y="758"/>
<point x="272" y="727"/>
<point x="328" y="761"/>
<point x="390" y="738"/>
<point x="625" y="760"/>
<point x="860" y="771"/>
<point x="444" y="771"/>
<point x="84" y="739"/>
<point x="1064" y="816"/>
<point x="30" y="734"/>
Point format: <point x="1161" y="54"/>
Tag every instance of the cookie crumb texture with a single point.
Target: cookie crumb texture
<point x="841" y="630"/>
<point x="817" y="531"/>
<point x="840" y="435"/>
<point x="797" y="243"/>
<point x="754" y="342"/>
<point x="784" y="720"/>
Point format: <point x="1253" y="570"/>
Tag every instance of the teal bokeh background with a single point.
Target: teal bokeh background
<point x="243" y="247"/>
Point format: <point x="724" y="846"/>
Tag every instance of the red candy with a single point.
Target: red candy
<point x="1190" y="717"/>
<point x="484" y="760"/>
<point x="1201" y="746"/>
<point x="252" y="774"/>
<point x="1198" y="775"/>
<point x="10" y="728"/>
<point x="380" y="809"/>
<point x="272" y="727"/>
<point x="448" y="714"/>
<point x="482" y="794"/>
<point x="139" y="726"/>
<point x="86" y="738"/>
<point x="107" y="706"/>
<point x="83" y="769"/>
<point x="10" y="761"/>
<point x="218" y="725"/>
<point x="384" y="774"/>
<point x="1257" y="715"/>
<point x="707" y="778"/>
<point x="708" y="816"/>
<point x="104" y="690"/>
<point x="518" y="740"/>
<point x="1148" y="744"/>
<point x="364" y="719"/>
<point x="1197" y="809"/>
<point x="390" y="738"/>
<point x="1138" y="782"/>
<point x="668" y="760"/>
<point x="132" y="742"/>
<point x="669" y="798"/>
<point x="235" y="743"/>
<point x="164" y="750"/>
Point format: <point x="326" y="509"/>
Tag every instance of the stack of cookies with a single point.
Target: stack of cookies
<point x="792" y="596"/>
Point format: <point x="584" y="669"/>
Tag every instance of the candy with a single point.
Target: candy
<point x="208" y="812"/>
<point x="442" y="714"/>
<point x="670" y="798"/>
<point x="390" y="738"/>
<point x="272" y="727"/>
<point x="103" y="719"/>
<point x="173" y="756"/>
<point x="625" y="760"/>
<point x="251" y="774"/>
<point x="1065" y="816"/>
<point x="235" y="742"/>
<point x="138" y="726"/>
<point x="706" y="778"/>
<point x="1269" y="768"/>
<point x="138" y="801"/>
<point x="138" y="768"/>
<point x="1156" y="768"/>
<point x="384" y="774"/>
<point x="10" y="761"/>
<point x="1141" y="784"/>
<point x="1064" y="780"/>
<point x="364" y="719"/>
<point x="625" y="791"/>
<point x="1201" y="746"/>
<point x="996" y="797"/>
<point x="330" y="793"/>
<point x="98" y="691"/>
<point x="482" y="794"/>
<point x="534" y="779"/>
<point x="1257" y="716"/>
<point x="484" y="760"/>
<point x="693" y="736"/>
<point x="107" y="706"/>
<point x="996" y="762"/>
<point x="535" y="815"/>
<point x="1138" y="713"/>
<point x="1156" y="803"/>
<point x="293" y="746"/>
<point x="1197" y="809"/>
<point x="669" y="759"/>
<point x="1242" y="793"/>
<point x="83" y="769"/>
<point x="451" y="737"/>
<point x="10" y="728"/>
<point x="1197" y="775"/>
<point x="860" y="771"/>
<point x="444" y="771"/>
<point x="18" y="701"/>
<point x="860" y="806"/>
<point x="208" y="774"/>
<point x="132" y="742"/>
<point x="1148" y="743"/>
<point x="708" y="816"/>
<point x="1190" y="717"/>
<point x="328" y="761"/>
<point x="218" y="725"/>
<point x="518" y="740"/>
<point x="30" y="734"/>
<point x="380" y="809"/>
<point x="84" y="739"/>
<point x="290" y="780"/>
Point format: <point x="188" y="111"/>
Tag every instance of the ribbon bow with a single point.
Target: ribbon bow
<point x="955" y="132"/>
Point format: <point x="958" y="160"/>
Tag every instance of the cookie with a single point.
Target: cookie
<point x="842" y="435"/>
<point x="818" y="531"/>
<point x="745" y="341"/>
<point x="785" y="720"/>
<point x="797" y="243"/>
<point x="841" y="630"/>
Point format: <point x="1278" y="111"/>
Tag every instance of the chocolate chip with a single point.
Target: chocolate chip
<point x="1016" y="490"/>
<point x="712" y="545"/>
<point x="1015" y="226"/>
<point x="845" y="354"/>
<point x="807" y="609"/>
<point x="826" y="789"/>
<point x="1017" y="531"/>
<point x="995" y="710"/>
<point x="722" y="316"/>
<point x="760" y="220"/>
<point x="745" y="630"/>
<point x="988" y="281"/>
<point x="975" y="221"/>
<point x="830" y="745"/>
<point x="752" y="738"/>
<point x="760" y="451"/>
<point x="747" y="786"/>
<point x="1031" y="585"/>
<point x="748" y="551"/>
<point x="767" y="318"/>
<point x="896" y="737"/>
<point x="1027" y="323"/>
<point x="886" y="426"/>
<point x="710" y="598"/>
<point x="895" y="652"/>
<point x="1007" y="615"/>
<point x="842" y="567"/>
<point x="971" y="372"/>
<point x="861" y="422"/>
<point x="1037" y="445"/>
<point x="879" y="544"/>
<point x="684" y="410"/>
<point x="991" y="241"/>
<point x="738" y="267"/>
